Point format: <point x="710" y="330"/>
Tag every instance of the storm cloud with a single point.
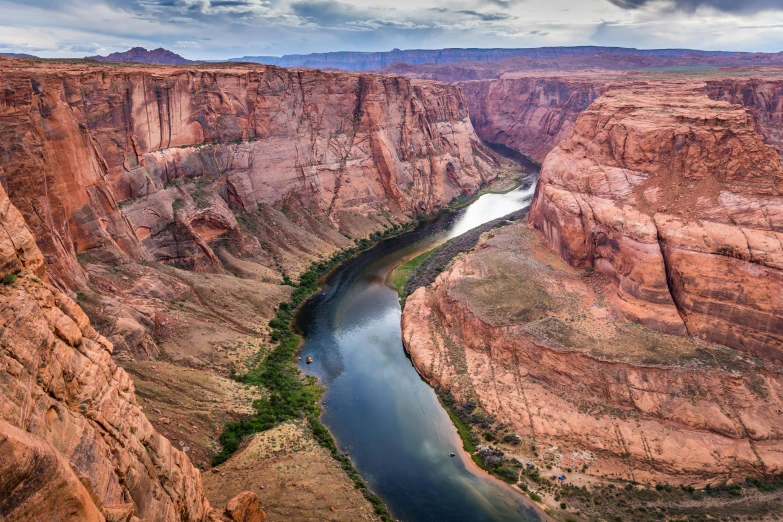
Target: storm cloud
<point x="728" y="6"/>
<point x="215" y="29"/>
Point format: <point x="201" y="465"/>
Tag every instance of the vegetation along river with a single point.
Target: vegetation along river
<point x="378" y="408"/>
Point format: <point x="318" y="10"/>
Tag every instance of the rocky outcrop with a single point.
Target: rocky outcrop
<point x="531" y="115"/>
<point x="74" y="443"/>
<point x="678" y="199"/>
<point x="188" y="152"/>
<point x="245" y="508"/>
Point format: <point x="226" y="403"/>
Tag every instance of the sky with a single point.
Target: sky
<point x="218" y="29"/>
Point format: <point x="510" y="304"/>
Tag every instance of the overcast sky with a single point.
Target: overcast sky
<point x="214" y="29"/>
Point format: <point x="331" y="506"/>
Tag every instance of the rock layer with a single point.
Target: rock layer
<point x="428" y="57"/>
<point x="531" y="115"/>
<point x="761" y="97"/>
<point x="76" y="140"/>
<point x="677" y="198"/>
<point x="534" y="344"/>
<point x="74" y="444"/>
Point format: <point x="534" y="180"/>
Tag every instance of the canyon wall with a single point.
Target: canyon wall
<point x="761" y="97"/>
<point x="188" y="151"/>
<point x="531" y="115"/>
<point x="534" y="344"/>
<point x="74" y="443"/>
<point x="677" y="198"/>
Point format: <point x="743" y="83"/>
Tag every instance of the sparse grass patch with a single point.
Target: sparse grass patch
<point x="403" y="272"/>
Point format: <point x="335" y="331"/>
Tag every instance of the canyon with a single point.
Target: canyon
<point x="169" y="207"/>
<point x="631" y="329"/>
<point x="154" y="217"/>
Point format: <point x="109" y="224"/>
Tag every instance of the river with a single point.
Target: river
<point x="377" y="407"/>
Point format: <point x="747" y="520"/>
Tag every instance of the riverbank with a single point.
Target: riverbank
<point x="288" y="394"/>
<point x="423" y="269"/>
<point x="377" y="407"/>
<point x="292" y="395"/>
<point x="270" y="372"/>
<point x="410" y="266"/>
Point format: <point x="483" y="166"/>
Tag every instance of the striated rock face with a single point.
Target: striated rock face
<point x="762" y="98"/>
<point x="678" y="199"/>
<point x="531" y="115"/>
<point x="534" y="343"/>
<point x="74" y="444"/>
<point x="347" y="153"/>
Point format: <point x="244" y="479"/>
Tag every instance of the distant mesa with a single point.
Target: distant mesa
<point x="17" y="55"/>
<point x="158" y="56"/>
<point x="364" y="61"/>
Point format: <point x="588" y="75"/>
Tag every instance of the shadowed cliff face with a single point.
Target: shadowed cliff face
<point x="677" y="198"/>
<point x="74" y="444"/>
<point x="762" y="98"/>
<point x="531" y="115"/>
<point x="349" y="153"/>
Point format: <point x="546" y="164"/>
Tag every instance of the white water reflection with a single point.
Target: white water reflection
<point x="378" y="408"/>
<point x="492" y="206"/>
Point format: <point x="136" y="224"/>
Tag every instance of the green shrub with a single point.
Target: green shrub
<point x="9" y="279"/>
<point x="291" y="394"/>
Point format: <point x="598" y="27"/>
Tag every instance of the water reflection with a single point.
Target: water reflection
<point x="378" y="408"/>
<point x="492" y="206"/>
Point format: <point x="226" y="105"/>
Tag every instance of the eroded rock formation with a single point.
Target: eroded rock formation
<point x="534" y="343"/>
<point x="678" y="199"/>
<point x="531" y="115"/>
<point x="74" y="444"/>
<point x="665" y="202"/>
<point x="158" y="56"/>
<point x="761" y="97"/>
<point x="351" y="153"/>
<point x="240" y="175"/>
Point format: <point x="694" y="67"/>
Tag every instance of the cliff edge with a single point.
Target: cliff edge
<point x="74" y="443"/>
<point x="679" y="201"/>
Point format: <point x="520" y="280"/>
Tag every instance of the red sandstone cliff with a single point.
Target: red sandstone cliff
<point x="349" y="153"/>
<point x="677" y="198"/>
<point x="531" y="115"/>
<point x="535" y="345"/>
<point x="761" y="97"/>
<point x="74" y="443"/>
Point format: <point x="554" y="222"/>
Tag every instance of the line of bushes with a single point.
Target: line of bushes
<point x="465" y="417"/>
<point x="293" y="395"/>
